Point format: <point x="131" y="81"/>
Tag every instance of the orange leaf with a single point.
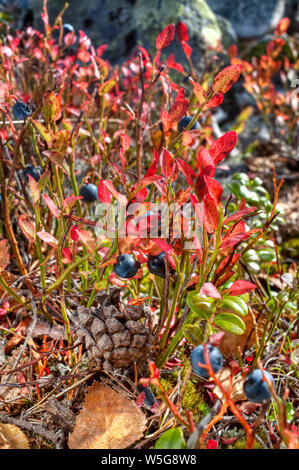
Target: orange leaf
<point x="226" y="78"/>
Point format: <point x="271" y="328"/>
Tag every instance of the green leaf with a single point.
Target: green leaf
<point x="250" y="255"/>
<point x="199" y="304"/>
<point x="193" y="334"/>
<point x="249" y="196"/>
<point x="171" y="439"/>
<point x="267" y="255"/>
<point x="236" y="304"/>
<point x="234" y="187"/>
<point x="230" y="323"/>
<point x="253" y="267"/>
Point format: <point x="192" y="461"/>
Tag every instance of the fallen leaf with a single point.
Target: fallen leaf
<point x="11" y="437"/>
<point x="108" y="420"/>
<point x="237" y="390"/>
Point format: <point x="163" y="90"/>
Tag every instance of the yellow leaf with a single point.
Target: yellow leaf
<point x="108" y="420"/>
<point x="11" y="437"/>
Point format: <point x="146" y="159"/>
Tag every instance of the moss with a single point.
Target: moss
<point x="241" y="443"/>
<point x="193" y="400"/>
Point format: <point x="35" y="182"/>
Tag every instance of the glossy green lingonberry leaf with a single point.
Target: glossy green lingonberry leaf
<point x="236" y="304"/>
<point x="193" y="334"/>
<point x="171" y="439"/>
<point x="230" y="323"/>
<point x="199" y="304"/>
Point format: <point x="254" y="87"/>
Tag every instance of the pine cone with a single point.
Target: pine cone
<point x="112" y="333"/>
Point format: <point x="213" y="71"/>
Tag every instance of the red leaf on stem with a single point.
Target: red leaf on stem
<point x="165" y="37"/>
<point x="241" y="287"/>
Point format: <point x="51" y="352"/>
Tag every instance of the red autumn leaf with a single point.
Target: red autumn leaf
<point x="48" y="238"/>
<point x="27" y="226"/>
<point x="166" y="122"/>
<point x="4" y="254"/>
<point x="187" y="138"/>
<point x="178" y="110"/>
<point x="121" y="198"/>
<point x="152" y="170"/>
<point x="232" y="261"/>
<point x="225" y="79"/>
<point x="167" y="164"/>
<point x="241" y="287"/>
<point x="103" y="193"/>
<point x="221" y="147"/>
<point x="74" y="233"/>
<point x="282" y="26"/>
<point x="165" y="37"/>
<point x="216" y="338"/>
<point x="216" y="100"/>
<point x="187" y="49"/>
<point x="210" y="290"/>
<point x="172" y="64"/>
<point x="242" y="212"/>
<point x="51" y="205"/>
<point x="200" y="93"/>
<point x="186" y="170"/>
<point x="233" y="240"/>
<point x="67" y="255"/>
<point x="70" y="201"/>
<point x="206" y="185"/>
<point x="182" y="31"/>
<point x="210" y="214"/>
<point x="34" y="189"/>
<point x="224" y="278"/>
<point x="125" y="142"/>
<point x="205" y="162"/>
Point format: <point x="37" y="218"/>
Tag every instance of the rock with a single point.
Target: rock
<point x="124" y="24"/>
<point x="250" y="18"/>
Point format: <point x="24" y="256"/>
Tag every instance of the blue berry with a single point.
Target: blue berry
<point x="156" y="265"/>
<point x="183" y="123"/>
<point x="21" y="110"/>
<point x="68" y="28"/>
<point x="197" y="356"/>
<point x="126" y="266"/>
<point x="255" y="388"/>
<point x="33" y="171"/>
<point x="89" y="192"/>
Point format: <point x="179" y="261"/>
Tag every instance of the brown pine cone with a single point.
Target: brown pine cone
<point x="112" y="333"/>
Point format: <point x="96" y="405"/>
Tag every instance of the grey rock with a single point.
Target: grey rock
<point x="250" y="18"/>
<point x="125" y="24"/>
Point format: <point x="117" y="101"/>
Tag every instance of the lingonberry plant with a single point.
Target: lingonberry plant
<point x="119" y="191"/>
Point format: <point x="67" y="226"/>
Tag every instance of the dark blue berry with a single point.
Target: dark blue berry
<point x="126" y="266"/>
<point x="68" y="28"/>
<point x="197" y="356"/>
<point x="183" y="123"/>
<point x="33" y="171"/>
<point x="149" y="397"/>
<point x="89" y="192"/>
<point x="156" y="265"/>
<point x="21" y="110"/>
<point x="255" y="388"/>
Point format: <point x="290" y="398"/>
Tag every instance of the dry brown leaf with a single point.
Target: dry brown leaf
<point x="11" y="437"/>
<point x="237" y="390"/>
<point x="107" y="420"/>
